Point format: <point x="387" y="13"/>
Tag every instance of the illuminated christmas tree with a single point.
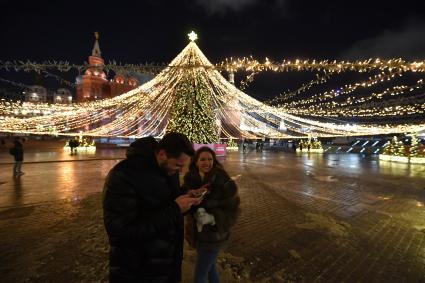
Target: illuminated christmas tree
<point x="390" y="148"/>
<point x="193" y="113"/>
<point x="414" y="146"/>
<point x="316" y="144"/>
<point x="192" y="94"/>
<point x="400" y="149"/>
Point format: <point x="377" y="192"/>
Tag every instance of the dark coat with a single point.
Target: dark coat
<point x="143" y="222"/>
<point x="222" y="201"/>
<point x="17" y="151"/>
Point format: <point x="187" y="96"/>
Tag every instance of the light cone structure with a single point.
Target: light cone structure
<point x="189" y="96"/>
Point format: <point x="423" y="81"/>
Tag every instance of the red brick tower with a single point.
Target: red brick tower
<point x="94" y="84"/>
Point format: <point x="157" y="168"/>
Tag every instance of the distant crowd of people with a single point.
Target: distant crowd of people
<point x="258" y="146"/>
<point x="75" y="143"/>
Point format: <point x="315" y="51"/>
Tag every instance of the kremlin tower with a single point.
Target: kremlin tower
<point x="94" y="85"/>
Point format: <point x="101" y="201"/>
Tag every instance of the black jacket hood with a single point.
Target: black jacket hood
<point x="144" y="147"/>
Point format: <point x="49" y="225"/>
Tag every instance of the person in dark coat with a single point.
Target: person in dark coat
<point x="142" y="210"/>
<point x="18" y="153"/>
<point x="73" y="144"/>
<point x="208" y="224"/>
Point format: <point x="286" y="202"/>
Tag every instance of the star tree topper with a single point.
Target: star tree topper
<point x="192" y="36"/>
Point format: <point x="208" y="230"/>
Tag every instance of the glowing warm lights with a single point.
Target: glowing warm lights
<point x="397" y="151"/>
<point x="391" y="65"/>
<point x="192" y="36"/>
<point x="349" y="100"/>
<point x="190" y="94"/>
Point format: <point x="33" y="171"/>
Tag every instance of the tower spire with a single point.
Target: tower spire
<point x="96" y="48"/>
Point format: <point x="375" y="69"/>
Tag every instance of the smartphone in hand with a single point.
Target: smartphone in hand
<point x="200" y="194"/>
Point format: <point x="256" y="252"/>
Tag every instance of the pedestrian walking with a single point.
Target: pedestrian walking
<point x="73" y="144"/>
<point x="143" y="210"/>
<point x="18" y="153"/>
<point x="208" y="224"/>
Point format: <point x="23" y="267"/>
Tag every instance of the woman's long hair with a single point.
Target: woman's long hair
<point x="216" y="163"/>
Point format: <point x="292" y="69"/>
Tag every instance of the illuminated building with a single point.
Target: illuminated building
<point x="94" y="84"/>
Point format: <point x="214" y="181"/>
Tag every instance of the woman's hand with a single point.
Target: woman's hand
<point x="198" y="192"/>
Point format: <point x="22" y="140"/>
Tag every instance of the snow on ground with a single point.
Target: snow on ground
<point x="66" y="241"/>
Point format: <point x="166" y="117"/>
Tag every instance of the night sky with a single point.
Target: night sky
<point x="155" y="30"/>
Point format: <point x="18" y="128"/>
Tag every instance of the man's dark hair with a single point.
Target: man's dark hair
<point x="175" y="144"/>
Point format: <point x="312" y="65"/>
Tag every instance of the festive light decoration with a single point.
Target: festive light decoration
<point x="192" y="36"/>
<point x="316" y="105"/>
<point x="391" y="65"/>
<point x="233" y="65"/>
<point x="398" y="152"/>
<point x="190" y="95"/>
<point x="192" y="114"/>
<point x="414" y="146"/>
<point x="310" y="145"/>
<point x="16" y="84"/>
<point x="287" y="95"/>
<point x="64" y="66"/>
<point x="345" y="90"/>
<point x="83" y="146"/>
<point x="231" y="145"/>
<point x="351" y="101"/>
<point x="329" y="103"/>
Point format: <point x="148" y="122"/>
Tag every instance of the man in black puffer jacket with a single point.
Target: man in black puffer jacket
<point x="142" y="209"/>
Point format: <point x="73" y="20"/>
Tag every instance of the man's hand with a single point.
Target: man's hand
<point x="186" y="201"/>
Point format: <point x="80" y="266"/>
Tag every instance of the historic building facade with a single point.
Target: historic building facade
<point x="94" y="84"/>
<point x="36" y="93"/>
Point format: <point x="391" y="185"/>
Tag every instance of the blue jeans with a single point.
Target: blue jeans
<point x="205" y="268"/>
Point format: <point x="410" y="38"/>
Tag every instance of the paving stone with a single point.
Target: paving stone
<point x="352" y="224"/>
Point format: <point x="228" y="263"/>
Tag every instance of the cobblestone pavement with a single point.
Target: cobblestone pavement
<point x="305" y="218"/>
<point x="332" y="218"/>
<point x="54" y="175"/>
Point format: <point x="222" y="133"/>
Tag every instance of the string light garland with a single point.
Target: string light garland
<point x="370" y="106"/>
<point x="250" y="64"/>
<point x="191" y="95"/>
<point x="320" y="79"/>
<point x="347" y="89"/>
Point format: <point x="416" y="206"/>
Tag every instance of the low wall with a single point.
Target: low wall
<point x="402" y="159"/>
